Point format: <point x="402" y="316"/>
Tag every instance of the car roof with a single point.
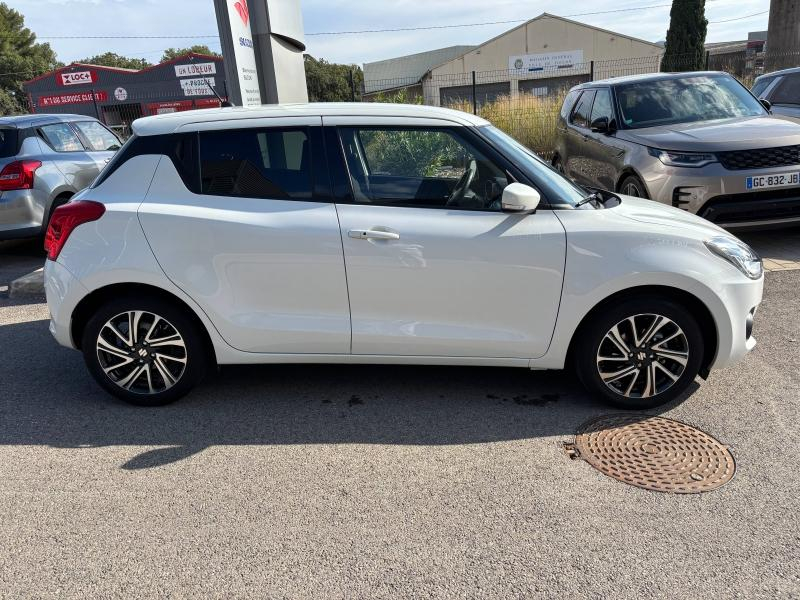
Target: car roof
<point x="21" y="121"/>
<point x="612" y="81"/>
<point x="169" y="123"/>
<point x="781" y="72"/>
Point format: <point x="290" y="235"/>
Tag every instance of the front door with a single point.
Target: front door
<point x="257" y="243"/>
<point x="434" y="268"/>
<point x="99" y="141"/>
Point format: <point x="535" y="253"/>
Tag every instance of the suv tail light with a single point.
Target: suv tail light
<point x="66" y="218"/>
<point x="18" y="175"/>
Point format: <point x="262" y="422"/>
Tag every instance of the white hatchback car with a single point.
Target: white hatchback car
<point x="379" y="233"/>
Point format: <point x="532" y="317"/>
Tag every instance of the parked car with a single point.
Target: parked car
<point x="44" y="161"/>
<point x="781" y="89"/>
<point x="380" y="233"/>
<point x="700" y="142"/>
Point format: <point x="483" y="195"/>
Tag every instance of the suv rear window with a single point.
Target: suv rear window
<point x="256" y="163"/>
<point x="9" y="141"/>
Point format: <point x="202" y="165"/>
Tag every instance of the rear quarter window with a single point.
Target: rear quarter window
<point x="9" y="142"/>
<point x="569" y="102"/>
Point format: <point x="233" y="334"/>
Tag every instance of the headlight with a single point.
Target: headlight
<point x="739" y="254"/>
<point x="682" y="159"/>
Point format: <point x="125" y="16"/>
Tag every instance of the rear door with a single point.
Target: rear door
<point x="577" y="165"/>
<point x="100" y="142"/>
<point x="253" y="238"/>
<point x="69" y="154"/>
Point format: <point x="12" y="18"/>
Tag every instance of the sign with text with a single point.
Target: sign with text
<point x="78" y="98"/>
<point x="233" y="19"/>
<point x="526" y="63"/>
<point x="199" y="86"/>
<point x="76" y="78"/>
<point x="193" y="70"/>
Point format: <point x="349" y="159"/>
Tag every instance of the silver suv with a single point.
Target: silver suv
<point x="44" y="161"/>
<point x="698" y="141"/>
<point x="782" y="90"/>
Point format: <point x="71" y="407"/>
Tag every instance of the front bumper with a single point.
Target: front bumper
<point x="740" y="298"/>
<point x="721" y="195"/>
<point x="63" y="292"/>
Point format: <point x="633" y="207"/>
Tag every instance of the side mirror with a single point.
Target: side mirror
<point x="601" y="125"/>
<point x="521" y="198"/>
<point x="766" y="103"/>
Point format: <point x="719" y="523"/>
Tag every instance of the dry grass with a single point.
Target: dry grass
<point x="529" y="119"/>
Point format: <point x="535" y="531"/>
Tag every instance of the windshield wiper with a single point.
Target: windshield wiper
<point x="593" y="196"/>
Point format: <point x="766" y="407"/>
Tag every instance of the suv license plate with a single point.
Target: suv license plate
<point x="772" y="181"/>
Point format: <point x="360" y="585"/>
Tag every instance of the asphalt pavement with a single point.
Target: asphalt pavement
<point x="382" y="482"/>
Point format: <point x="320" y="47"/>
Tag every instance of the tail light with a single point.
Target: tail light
<point x="65" y="219"/>
<point x="18" y="175"/>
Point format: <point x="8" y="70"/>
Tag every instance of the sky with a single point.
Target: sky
<point x="175" y="18"/>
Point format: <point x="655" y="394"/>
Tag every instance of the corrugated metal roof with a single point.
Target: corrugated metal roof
<point x="406" y="70"/>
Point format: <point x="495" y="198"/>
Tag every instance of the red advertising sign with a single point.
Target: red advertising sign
<point x="77" y="98"/>
<point x="160" y="108"/>
<point x="76" y="78"/>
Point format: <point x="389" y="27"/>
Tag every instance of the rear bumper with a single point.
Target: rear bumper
<point x="63" y="293"/>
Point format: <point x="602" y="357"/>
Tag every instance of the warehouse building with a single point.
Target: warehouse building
<point x="119" y="96"/>
<point x="540" y="56"/>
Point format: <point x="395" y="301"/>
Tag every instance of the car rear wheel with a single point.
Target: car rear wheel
<point x="640" y="354"/>
<point x="144" y="351"/>
<point x="633" y="186"/>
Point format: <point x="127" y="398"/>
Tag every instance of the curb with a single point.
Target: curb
<point x="31" y="284"/>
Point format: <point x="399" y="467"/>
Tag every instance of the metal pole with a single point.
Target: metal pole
<point x="352" y="87"/>
<point x="708" y="54"/>
<point x="591" y="71"/>
<point x="96" y="110"/>
<point x="474" y="95"/>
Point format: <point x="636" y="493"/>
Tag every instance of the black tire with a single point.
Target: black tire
<point x="668" y="355"/>
<point x="160" y="365"/>
<point x="634" y="187"/>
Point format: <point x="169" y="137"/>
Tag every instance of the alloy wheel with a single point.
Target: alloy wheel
<point x="631" y="189"/>
<point x="141" y="352"/>
<point x="642" y="356"/>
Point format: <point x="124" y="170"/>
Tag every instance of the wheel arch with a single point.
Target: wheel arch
<point x="86" y="307"/>
<point x="627" y="171"/>
<point x="697" y="307"/>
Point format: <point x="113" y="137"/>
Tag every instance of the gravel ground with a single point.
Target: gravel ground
<point x="383" y="482"/>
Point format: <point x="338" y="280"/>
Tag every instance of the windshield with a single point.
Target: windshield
<point x="685" y="100"/>
<point x="557" y="188"/>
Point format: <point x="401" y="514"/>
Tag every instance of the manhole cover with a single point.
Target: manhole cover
<point x="655" y="453"/>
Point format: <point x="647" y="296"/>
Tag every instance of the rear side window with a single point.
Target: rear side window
<point x="569" y="102"/>
<point x="580" y="116"/>
<point x="257" y="163"/>
<point x="788" y="90"/>
<point x="9" y="141"/>
<point x="61" y="137"/>
<point x="602" y="106"/>
<point x="97" y="136"/>
<point x="761" y="85"/>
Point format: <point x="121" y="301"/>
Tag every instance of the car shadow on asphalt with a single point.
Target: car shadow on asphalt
<point x="48" y="398"/>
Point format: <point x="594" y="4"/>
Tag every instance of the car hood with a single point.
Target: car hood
<point x="714" y="136"/>
<point x="663" y="215"/>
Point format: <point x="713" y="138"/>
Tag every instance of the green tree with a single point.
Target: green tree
<point x="21" y="58"/>
<point x="686" y="36"/>
<point x="112" y="59"/>
<point x="330" y="82"/>
<point x="171" y="53"/>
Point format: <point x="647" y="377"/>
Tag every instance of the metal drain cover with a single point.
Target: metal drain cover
<point x="655" y="453"/>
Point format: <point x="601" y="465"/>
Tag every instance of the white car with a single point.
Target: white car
<point x="379" y="233"/>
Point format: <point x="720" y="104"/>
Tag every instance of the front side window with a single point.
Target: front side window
<point x="788" y="90"/>
<point x="580" y="116"/>
<point x="602" y="106"/>
<point x="256" y="163"/>
<point x="98" y="137"/>
<point x="431" y="168"/>
<point x="61" y="137"/>
<point x="685" y="100"/>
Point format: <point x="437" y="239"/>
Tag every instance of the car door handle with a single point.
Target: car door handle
<point x="372" y="234"/>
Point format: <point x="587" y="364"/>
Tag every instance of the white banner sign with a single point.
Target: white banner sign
<point x="548" y="60"/>
<point x="239" y="16"/>
<point x="198" y="86"/>
<point x="195" y="69"/>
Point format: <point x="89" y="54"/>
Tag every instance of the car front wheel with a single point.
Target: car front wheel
<point x="640" y="354"/>
<point x="144" y="351"/>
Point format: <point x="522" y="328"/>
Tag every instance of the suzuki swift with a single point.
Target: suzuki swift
<point x="379" y="233"/>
